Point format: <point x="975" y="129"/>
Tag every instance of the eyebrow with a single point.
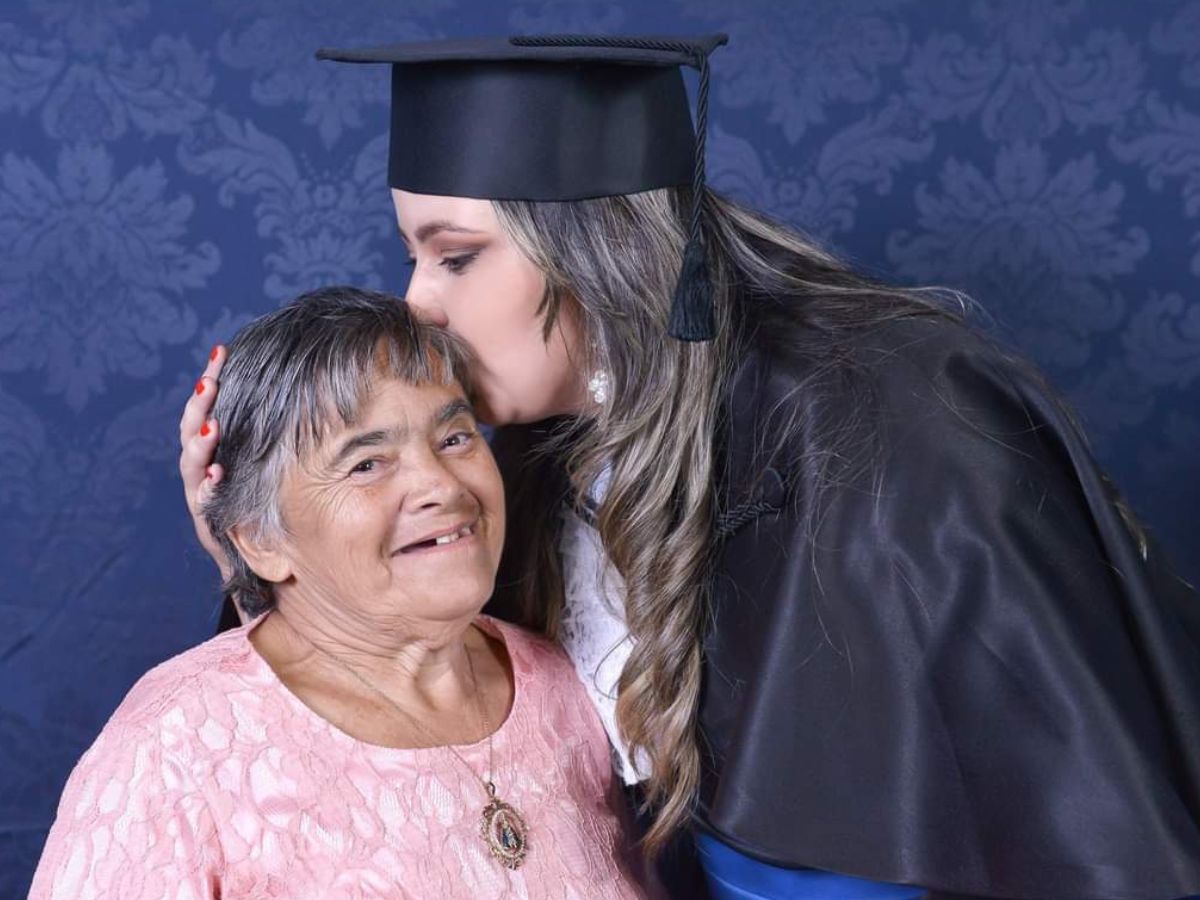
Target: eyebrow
<point x="448" y="412"/>
<point x="429" y="229"/>
<point x="452" y="410"/>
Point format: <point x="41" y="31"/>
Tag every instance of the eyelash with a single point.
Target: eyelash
<point x="357" y="468"/>
<point x="467" y="437"/>
<point x="455" y="265"/>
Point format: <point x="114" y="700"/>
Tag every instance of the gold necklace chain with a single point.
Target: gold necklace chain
<point x="501" y="826"/>
<point x="438" y="742"/>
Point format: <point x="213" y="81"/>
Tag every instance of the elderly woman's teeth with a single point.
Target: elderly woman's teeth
<point x="454" y="536"/>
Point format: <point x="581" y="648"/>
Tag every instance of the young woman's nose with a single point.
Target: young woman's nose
<point x="423" y="306"/>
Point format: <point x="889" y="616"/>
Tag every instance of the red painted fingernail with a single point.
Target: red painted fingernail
<point x="215" y="350"/>
<point x="204" y="430"/>
<point x="200" y="386"/>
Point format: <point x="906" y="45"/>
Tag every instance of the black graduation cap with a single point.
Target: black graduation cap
<point x="562" y="117"/>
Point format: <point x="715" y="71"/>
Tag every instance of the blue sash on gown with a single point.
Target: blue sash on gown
<point x="733" y="876"/>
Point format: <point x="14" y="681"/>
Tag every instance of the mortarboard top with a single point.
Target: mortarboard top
<point x="617" y="49"/>
<point x="552" y="118"/>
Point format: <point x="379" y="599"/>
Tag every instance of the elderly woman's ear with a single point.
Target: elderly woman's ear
<point x="264" y="556"/>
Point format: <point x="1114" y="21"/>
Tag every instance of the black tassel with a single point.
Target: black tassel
<point x="692" y="308"/>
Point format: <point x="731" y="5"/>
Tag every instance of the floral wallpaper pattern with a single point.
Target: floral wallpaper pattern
<point x="168" y="171"/>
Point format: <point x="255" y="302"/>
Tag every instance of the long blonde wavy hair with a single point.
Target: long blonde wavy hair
<point x="617" y="259"/>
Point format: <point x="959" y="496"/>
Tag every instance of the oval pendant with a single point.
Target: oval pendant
<point x="505" y="833"/>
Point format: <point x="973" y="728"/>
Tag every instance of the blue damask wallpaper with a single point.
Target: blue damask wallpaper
<point x="169" y="170"/>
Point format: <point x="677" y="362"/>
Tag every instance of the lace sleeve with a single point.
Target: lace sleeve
<point x="131" y="825"/>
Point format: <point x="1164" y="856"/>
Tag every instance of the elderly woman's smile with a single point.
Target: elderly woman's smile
<point x="442" y="539"/>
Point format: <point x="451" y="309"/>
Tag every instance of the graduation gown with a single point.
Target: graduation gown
<point x="959" y="671"/>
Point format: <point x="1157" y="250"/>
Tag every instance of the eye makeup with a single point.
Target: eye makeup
<point x="458" y="263"/>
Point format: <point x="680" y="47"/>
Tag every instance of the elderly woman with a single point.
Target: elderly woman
<point x="368" y="733"/>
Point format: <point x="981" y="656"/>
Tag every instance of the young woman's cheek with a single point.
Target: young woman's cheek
<point x="490" y="327"/>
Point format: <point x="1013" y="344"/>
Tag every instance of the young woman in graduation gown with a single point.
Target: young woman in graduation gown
<point x="860" y="612"/>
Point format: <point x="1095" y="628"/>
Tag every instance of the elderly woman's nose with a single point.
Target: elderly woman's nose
<point x="434" y="485"/>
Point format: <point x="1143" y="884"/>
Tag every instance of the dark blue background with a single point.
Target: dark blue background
<point x="169" y="170"/>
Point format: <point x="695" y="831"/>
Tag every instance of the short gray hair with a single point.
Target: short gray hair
<point x="289" y="375"/>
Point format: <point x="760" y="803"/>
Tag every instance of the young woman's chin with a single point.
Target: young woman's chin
<point x="493" y="408"/>
<point x="501" y="414"/>
<point x="496" y="406"/>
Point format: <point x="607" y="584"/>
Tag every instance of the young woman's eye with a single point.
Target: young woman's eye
<point x="410" y="261"/>
<point x="458" y="440"/>
<point x="456" y="265"/>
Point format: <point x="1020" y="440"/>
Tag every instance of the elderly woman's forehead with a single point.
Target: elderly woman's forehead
<point x="422" y="399"/>
<point x="386" y="396"/>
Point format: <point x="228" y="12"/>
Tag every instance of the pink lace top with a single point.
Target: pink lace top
<point x="213" y="780"/>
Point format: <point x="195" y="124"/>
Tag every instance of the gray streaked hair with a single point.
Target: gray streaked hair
<point x="289" y="376"/>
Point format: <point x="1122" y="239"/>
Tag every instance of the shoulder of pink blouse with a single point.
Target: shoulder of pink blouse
<point x="131" y="822"/>
<point x="218" y="665"/>
<point x="542" y="665"/>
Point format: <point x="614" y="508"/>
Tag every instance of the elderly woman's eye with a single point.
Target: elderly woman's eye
<point x="366" y="465"/>
<point x="458" y="439"/>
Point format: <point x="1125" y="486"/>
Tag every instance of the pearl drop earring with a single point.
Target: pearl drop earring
<point x="598" y="386"/>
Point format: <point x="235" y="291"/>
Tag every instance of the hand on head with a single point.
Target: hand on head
<point x="198" y="444"/>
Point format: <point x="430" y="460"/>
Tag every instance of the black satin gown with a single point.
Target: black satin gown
<point x="960" y="667"/>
